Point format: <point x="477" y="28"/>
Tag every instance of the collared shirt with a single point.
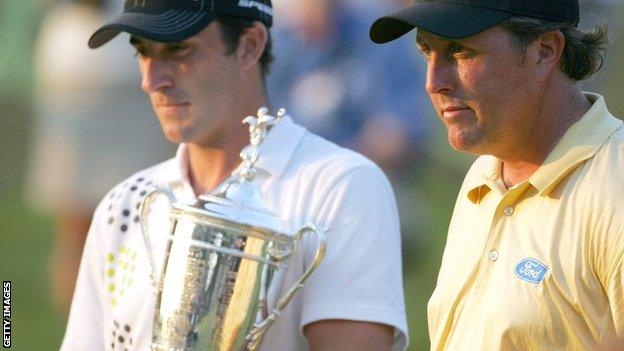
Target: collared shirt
<point x="538" y="266"/>
<point x="304" y="179"/>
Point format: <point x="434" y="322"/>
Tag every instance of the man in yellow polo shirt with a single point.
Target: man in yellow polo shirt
<point x="534" y="255"/>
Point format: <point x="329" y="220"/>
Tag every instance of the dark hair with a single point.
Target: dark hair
<point x="584" y="51"/>
<point x="232" y="28"/>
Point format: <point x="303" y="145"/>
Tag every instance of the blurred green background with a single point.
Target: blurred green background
<point x="26" y="236"/>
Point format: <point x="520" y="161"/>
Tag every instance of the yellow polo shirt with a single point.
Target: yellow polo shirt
<point x="538" y="266"/>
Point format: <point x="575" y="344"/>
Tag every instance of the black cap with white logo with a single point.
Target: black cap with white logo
<point x="175" y="20"/>
<point x="456" y="19"/>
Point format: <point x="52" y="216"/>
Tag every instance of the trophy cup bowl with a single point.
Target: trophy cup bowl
<point x="220" y="258"/>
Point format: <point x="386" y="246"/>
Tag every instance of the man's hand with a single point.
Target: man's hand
<point x="344" y="335"/>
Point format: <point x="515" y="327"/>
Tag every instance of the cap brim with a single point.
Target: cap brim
<point x="453" y="21"/>
<point x="170" y="26"/>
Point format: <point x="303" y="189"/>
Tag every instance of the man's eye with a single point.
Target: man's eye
<point x="425" y="51"/>
<point x="457" y="49"/>
<point x="139" y="51"/>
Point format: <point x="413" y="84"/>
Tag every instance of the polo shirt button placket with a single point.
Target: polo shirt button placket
<point x="508" y="211"/>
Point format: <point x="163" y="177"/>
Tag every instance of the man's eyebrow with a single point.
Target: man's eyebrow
<point x="135" y="41"/>
<point x="421" y="43"/>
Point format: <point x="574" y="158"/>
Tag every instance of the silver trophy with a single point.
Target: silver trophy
<point x="221" y="256"/>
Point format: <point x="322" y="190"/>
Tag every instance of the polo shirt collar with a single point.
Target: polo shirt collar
<point x="279" y="146"/>
<point x="275" y="152"/>
<point x="489" y="172"/>
<point x="580" y="142"/>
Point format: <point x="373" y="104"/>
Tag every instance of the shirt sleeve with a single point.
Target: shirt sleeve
<point x="360" y="277"/>
<point x="85" y="324"/>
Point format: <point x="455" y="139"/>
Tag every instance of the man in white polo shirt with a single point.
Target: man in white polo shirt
<point x="534" y="258"/>
<point x="203" y="65"/>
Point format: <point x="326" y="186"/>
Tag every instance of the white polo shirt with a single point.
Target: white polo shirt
<point x="304" y="178"/>
<point x="539" y="266"/>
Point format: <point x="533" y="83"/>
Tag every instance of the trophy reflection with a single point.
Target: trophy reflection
<point x="221" y="256"/>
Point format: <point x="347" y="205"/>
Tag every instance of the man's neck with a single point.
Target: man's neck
<point x="551" y="125"/>
<point x="212" y="162"/>
<point x="210" y="166"/>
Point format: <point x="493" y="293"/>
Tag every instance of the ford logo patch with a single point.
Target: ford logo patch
<point x="531" y="270"/>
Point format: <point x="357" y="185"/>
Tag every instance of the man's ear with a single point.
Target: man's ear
<point x="251" y="45"/>
<point x="548" y="50"/>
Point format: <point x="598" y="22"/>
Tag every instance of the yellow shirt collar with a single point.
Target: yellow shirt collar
<point x="580" y="142"/>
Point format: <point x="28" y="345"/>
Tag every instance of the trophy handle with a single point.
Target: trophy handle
<point x="144" y="212"/>
<point x="259" y="329"/>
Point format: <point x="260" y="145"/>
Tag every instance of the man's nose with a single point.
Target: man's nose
<point x="439" y="75"/>
<point x="156" y="75"/>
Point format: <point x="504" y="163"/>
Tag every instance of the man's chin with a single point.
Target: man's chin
<point x="175" y="136"/>
<point x="465" y="144"/>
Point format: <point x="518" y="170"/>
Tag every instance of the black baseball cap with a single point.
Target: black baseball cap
<point x="455" y="19"/>
<point x="175" y="20"/>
